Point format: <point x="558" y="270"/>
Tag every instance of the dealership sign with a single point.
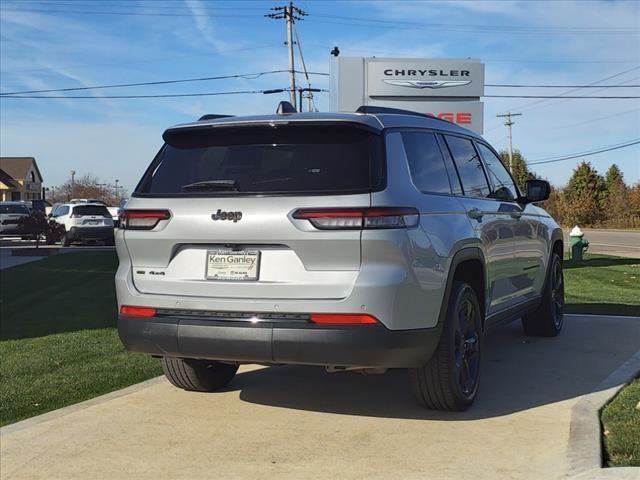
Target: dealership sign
<point x="448" y="89"/>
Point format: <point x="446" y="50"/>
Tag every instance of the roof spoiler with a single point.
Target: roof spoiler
<point x="285" y="108"/>
<point x="213" y="116"/>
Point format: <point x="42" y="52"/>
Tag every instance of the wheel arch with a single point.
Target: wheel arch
<point x="467" y="264"/>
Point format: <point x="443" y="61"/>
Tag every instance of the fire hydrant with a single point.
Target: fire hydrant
<point x="578" y="243"/>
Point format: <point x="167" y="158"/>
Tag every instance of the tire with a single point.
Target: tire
<point x="449" y="381"/>
<point x="65" y="241"/>
<point x="547" y="319"/>
<point x="198" y="375"/>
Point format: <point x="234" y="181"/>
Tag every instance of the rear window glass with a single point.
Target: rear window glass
<point x="13" y="209"/>
<point x="91" y="210"/>
<point x="295" y="159"/>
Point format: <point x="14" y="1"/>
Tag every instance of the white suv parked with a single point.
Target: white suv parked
<point x="84" y="221"/>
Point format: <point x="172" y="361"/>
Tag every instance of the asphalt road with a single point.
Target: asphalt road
<point x="621" y="243"/>
<point x="301" y="422"/>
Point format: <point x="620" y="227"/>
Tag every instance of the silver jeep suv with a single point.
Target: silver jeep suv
<point x="373" y="240"/>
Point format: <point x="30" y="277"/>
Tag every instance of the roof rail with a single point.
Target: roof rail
<point x="372" y="109"/>
<point x="212" y="116"/>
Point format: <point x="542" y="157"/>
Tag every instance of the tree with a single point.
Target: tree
<point x="584" y="196"/>
<point x="634" y="199"/>
<point x="613" y="176"/>
<point x="37" y="225"/>
<point x="555" y="205"/>
<point x="519" y="169"/>
<point x="87" y="186"/>
<point x="616" y="200"/>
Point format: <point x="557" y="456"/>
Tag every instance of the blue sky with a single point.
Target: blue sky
<point x="75" y="43"/>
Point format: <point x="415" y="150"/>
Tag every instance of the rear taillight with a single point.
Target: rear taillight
<point x="359" y="218"/>
<point x="144" y="312"/>
<point x="142" y="219"/>
<point x="343" y="319"/>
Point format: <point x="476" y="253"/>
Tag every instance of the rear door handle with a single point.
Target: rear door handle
<point x="475" y="213"/>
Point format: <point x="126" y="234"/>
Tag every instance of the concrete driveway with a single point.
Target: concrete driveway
<point x="300" y="422"/>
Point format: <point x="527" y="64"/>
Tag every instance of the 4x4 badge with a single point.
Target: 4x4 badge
<point x="220" y="215"/>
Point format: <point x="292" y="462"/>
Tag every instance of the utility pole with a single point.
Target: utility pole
<point x="73" y="183"/>
<point x="508" y="123"/>
<point x="117" y="200"/>
<point x="291" y="14"/>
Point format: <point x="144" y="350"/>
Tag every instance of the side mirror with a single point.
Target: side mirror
<point x="537" y="191"/>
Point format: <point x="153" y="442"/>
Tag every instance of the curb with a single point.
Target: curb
<point x="61" y="412"/>
<point x="585" y="433"/>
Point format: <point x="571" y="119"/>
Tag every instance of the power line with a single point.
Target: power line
<point x="132" y="62"/>
<point x="509" y="28"/>
<point x="129" y="5"/>
<point x="608" y="148"/>
<point x="133" y="14"/>
<point x="498" y="30"/>
<point x="206" y="94"/>
<point x="510" y="85"/>
<point x="170" y="95"/>
<point x="247" y="76"/>
<point x="565" y="96"/>
<point x="528" y="106"/>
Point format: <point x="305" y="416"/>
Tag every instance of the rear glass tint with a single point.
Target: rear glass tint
<point x="294" y="159"/>
<point x="91" y="210"/>
<point x="13" y="209"/>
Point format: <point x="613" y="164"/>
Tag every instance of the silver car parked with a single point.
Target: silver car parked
<point x="373" y="240"/>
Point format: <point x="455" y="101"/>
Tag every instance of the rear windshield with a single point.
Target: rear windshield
<point x="13" y="209"/>
<point x="293" y="159"/>
<point x="91" y="210"/>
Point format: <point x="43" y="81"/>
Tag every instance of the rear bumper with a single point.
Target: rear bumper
<point x="90" y="233"/>
<point x="278" y="342"/>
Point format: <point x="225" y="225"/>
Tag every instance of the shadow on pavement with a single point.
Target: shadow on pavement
<point x="519" y="373"/>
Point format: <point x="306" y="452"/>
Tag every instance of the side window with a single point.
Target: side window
<point x="426" y="164"/>
<point x="469" y="167"/>
<point x="503" y="184"/>
<point x="62" y="211"/>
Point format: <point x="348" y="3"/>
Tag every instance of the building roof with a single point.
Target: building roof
<point x="8" y="180"/>
<point x="18" y="167"/>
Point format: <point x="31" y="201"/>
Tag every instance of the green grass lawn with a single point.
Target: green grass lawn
<point x="603" y="285"/>
<point x="621" y="426"/>
<point x="58" y="342"/>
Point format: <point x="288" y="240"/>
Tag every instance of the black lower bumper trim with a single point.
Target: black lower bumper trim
<point x="272" y="342"/>
<point x="90" y="233"/>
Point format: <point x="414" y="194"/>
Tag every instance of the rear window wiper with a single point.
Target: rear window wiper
<point x="212" y="185"/>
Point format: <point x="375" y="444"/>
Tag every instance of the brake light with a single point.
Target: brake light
<point x="343" y="319"/>
<point x="142" y="219"/>
<point x="144" y="312"/>
<point x="359" y="218"/>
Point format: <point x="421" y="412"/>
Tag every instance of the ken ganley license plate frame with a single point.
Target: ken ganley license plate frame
<point x="233" y="265"/>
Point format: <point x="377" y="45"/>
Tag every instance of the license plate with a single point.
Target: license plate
<point x="232" y="265"/>
<point x="92" y="222"/>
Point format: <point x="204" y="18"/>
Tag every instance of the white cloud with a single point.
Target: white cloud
<point x="204" y="26"/>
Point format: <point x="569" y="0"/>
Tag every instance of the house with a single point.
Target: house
<point x="20" y="179"/>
